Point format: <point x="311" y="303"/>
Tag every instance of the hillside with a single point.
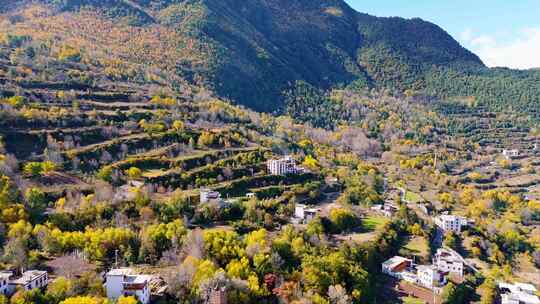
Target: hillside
<point x="118" y="150"/>
<point x="252" y="51"/>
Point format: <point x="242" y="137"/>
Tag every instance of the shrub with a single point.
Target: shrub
<point x="134" y="172"/>
<point x="68" y="53"/>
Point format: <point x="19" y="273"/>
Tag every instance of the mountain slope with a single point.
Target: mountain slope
<point x="265" y="45"/>
<point x="253" y="51"/>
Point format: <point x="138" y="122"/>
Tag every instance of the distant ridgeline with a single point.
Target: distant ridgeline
<point x="253" y="51"/>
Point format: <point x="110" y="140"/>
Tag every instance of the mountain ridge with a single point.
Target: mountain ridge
<point x="252" y="51"/>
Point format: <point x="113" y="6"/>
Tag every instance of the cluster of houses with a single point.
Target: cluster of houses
<point x="445" y="261"/>
<point x="29" y="280"/>
<point x="119" y="282"/>
<point x="283" y="166"/>
<point x="433" y="276"/>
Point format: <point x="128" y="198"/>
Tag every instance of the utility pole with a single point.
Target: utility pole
<point x="116" y="258"/>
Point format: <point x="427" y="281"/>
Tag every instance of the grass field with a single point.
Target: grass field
<point x="413" y="197"/>
<point x="373" y="223"/>
<point x="417" y="246"/>
<point x="411" y="300"/>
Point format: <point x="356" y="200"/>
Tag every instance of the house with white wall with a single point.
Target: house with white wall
<point x="396" y="265"/>
<point x="122" y="282"/>
<point x="207" y="195"/>
<point x="510" y="153"/>
<point x="305" y="214"/>
<point x="518" y="293"/>
<point x="449" y="222"/>
<point x="446" y="261"/>
<point x="387" y="209"/>
<point x="29" y="280"/>
<point x="430" y="277"/>
<point x="283" y="166"/>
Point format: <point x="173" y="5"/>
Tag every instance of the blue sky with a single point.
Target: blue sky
<point x="501" y="32"/>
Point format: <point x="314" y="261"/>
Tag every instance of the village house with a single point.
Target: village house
<point x="207" y="195"/>
<point x="29" y="280"/>
<point x="387" y="209"/>
<point x="122" y="282"/>
<point x="510" y="153"/>
<point x="518" y="293"/>
<point x="305" y="214"/>
<point x="430" y="277"/>
<point x="447" y="261"/>
<point x="283" y="166"/>
<point x="4" y="282"/>
<point x="451" y="222"/>
<point x="396" y="266"/>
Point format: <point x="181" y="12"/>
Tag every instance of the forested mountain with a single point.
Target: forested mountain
<point x="252" y="51"/>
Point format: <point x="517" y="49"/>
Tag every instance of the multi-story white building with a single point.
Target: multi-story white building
<point x="451" y="222"/>
<point x="207" y="195"/>
<point x="430" y="277"/>
<point x="447" y="261"/>
<point x="122" y="282"/>
<point x="29" y="280"/>
<point x="518" y="293"/>
<point x="282" y="166"/>
<point x="4" y="282"/>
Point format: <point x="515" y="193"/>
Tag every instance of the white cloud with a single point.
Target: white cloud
<point x="519" y="50"/>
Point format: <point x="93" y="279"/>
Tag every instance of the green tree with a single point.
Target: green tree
<point x="35" y="202"/>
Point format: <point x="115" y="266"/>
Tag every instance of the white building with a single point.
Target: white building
<point x="4" y="282"/>
<point x="305" y="214"/>
<point x="250" y="195"/>
<point x="447" y="261"/>
<point x="387" y="209"/>
<point x="430" y="277"/>
<point x="451" y="222"/>
<point x="518" y="293"/>
<point x="207" y="195"/>
<point x="511" y="153"/>
<point x="29" y="280"/>
<point x="122" y="282"/>
<point x="396" y="266"/>
<point x="282" y="166"/>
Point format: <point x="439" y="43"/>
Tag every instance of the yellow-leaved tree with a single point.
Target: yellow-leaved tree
<point x="85" y="300"/>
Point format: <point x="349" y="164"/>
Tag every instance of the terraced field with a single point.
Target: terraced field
<point x="107" y="132"/>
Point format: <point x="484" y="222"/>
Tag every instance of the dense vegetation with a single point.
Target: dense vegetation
<point x="254" y="56"/>
<point x="111" y="121"/>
